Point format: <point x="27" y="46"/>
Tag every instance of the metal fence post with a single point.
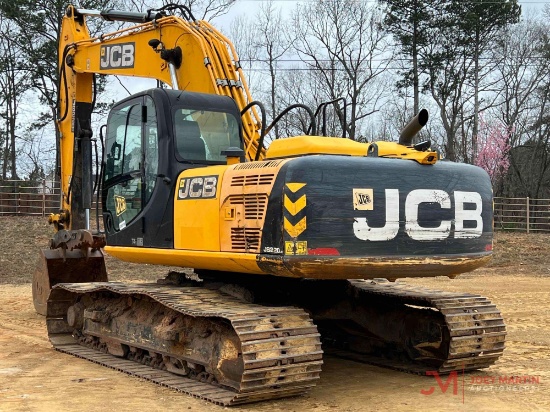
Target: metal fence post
<point x="43" y="197"/>
<point x="17" y="197"/>
<point x="528" y="223"/>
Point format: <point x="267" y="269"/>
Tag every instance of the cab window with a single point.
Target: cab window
<point x="202" y="135"/>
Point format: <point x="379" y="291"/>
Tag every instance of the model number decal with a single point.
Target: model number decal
<point x="203" y="187"/>
<point x="269" y="249"/>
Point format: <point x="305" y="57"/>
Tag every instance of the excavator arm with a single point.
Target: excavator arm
<point x="180" y="52"/>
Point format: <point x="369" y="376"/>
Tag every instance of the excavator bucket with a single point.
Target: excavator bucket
<point x="74" y="266"/>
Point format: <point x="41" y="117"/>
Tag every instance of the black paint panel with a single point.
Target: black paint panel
<point x="331" y="216"/>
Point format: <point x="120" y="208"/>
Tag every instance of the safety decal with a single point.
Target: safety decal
<point x="200" y="187"/>
<point x="296" y="248"/>
<point x="295" y="201"/>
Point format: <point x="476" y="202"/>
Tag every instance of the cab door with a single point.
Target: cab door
<point x="131" y="168"/>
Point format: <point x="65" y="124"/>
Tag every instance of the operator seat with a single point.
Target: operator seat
<point x="189" y="144"/>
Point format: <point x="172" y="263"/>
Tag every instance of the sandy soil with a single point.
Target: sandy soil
<point x="33" y="377"/>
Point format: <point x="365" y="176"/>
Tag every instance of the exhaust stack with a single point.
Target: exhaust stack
<point x="413" y="127"/>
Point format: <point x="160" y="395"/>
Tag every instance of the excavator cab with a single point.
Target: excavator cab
<point x="151" y="138"/>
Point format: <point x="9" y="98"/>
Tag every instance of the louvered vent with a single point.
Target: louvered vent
<point x="254" y="204"/>
<point x="258" y="165"/>
<point x="245" y="240"/>
<point x="252" y="180"/>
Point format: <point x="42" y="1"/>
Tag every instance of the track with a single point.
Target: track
<point x="280" y="346"/>
<point x="474" y="327"/>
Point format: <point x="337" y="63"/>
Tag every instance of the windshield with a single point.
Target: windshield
<point x="202" y="135"/>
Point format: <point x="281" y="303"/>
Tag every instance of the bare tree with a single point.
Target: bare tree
<point x="524" y="104"/>
<point x="340" y="41"/>
<point x="13" y="84"/>
<point x="201" y="9"/>
<point x="273" y="43"/>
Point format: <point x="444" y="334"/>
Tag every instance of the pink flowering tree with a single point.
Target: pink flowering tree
<point x="493" y="147"/>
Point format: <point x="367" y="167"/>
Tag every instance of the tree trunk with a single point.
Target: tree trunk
<point x="273" y="97"/>
<point x="476" y="97"/>
<point x="416" y="82"/>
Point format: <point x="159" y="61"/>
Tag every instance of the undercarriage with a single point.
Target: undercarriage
<point x="246" y="341"/>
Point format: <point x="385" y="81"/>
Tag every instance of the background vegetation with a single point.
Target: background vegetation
<point x="481" y="68"/>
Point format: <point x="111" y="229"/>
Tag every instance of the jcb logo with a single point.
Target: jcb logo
<point x="467" y="208"/>
<point x="197" y="187"/>
<point x="118" y="56"/>
<point x="120" y="205"/>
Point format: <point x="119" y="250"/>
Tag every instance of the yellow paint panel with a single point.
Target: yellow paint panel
<point x="297" y="229"/>
<point x="295" y="207"/>
<point x="304" y="145"/>
<point x="395" y="150"/>
<point x="222" y="261"/>
<point x="197" y="221"/>
<point x="301" y="145"/>
<point x="294" y="187"/>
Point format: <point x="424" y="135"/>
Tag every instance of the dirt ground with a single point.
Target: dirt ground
<point x="33" y="377"/>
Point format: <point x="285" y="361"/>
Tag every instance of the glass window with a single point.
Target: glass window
<point x="151" y="148"/>
<point x="202" y="135"/>
<point x="131" y="160"/>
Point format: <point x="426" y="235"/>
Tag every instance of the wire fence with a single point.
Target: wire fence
<point x="19" y="198"/>
<point x="522" y="214"/>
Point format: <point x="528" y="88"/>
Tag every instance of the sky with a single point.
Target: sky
<point x="249" y="8"/>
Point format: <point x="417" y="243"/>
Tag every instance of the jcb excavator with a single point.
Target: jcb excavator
<point x="295" y="247"/>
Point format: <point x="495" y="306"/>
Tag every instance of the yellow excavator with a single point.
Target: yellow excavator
<point x="296" y="247"/>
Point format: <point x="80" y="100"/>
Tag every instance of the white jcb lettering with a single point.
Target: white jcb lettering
<point x="117" y="56"/>
<point x="363" y="231"/>
<point x="115" y="53"/>
<point x="414" y="230"/>
<point x="209" y="188"/>
<point x="128" y="55"/>
<point x="196" y="187"/>
<point x="462" y="215"/>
